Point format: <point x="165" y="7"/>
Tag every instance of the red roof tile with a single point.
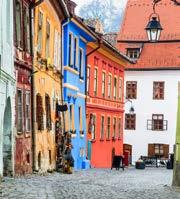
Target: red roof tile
<point x="153" y="55"/>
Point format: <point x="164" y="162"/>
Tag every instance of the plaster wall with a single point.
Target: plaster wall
<point x="7" y="85"/>
<point x="145" y="106"/>
<point x="46" y="81"/>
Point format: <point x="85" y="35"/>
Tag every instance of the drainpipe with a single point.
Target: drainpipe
<point x="33" y="93"/>
<point x="62" y="66"/>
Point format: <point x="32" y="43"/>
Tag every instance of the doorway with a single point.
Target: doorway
<point x="7" y="140"/>
<point x="127" y="151"/>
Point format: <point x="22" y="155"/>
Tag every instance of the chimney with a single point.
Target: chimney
<point x="71" y="6"/>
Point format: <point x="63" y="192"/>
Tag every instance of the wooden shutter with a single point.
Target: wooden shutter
<point x="151" y="151"/>
<point x="166" y="150"/>
<point x="39" y="112"/>
<point x="67" y="121"/>
<point x="90" y="123"/>
<point x="81" y="123"/>
<point x="73" y="126"/>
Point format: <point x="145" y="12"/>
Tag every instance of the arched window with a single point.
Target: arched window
<point x="39" y="112"/>
<point x="48" y="113"/>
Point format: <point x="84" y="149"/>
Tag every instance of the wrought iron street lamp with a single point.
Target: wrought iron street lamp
<point x="154" y="27"/>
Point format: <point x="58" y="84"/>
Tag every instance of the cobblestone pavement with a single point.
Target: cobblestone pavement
<point x="150" y="183"/>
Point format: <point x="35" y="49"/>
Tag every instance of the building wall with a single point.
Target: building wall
<point x="23" y="69"/>
<point x="100" y="150"/>
<point x="47" y="82"/>
<point x="74" y="92"/>
<point x="145" y="106"/>
<point x="7" y="89"/>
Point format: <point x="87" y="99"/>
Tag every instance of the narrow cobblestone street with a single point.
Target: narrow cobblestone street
<point x="93" y="184"/>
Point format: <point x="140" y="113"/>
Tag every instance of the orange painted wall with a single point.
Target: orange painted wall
<point x="101" y="153"/>
<point x="46" y="81"/>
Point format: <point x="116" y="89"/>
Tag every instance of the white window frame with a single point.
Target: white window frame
<point x="18" y="104"/>
<point x="81" y="63"/>
<point x="28" y="118"/>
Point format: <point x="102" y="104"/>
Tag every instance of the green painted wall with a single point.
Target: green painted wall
<point x="178" y="132"/>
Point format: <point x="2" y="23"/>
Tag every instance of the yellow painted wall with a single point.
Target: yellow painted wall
<point x="46" y="81"/>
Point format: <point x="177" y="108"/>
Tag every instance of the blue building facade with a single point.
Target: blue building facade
<point x="75" y="39"/>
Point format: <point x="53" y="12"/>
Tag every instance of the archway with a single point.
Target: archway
<point x="7" y="139"/>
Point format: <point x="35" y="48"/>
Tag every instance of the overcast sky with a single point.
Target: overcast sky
<point x="120" y="3"/>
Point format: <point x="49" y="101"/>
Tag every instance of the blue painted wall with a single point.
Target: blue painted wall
<point x="72" y="95"/>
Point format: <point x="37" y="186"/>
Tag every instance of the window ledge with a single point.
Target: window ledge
<point x="81" y="136"/>
<point x="93" y="140"/>
<point x="72" y="70"/>
<point x="108" y="139"/>
<point x="101" y="140"/>
<point x="113" y="139"/>
<point x="81" y="80"/>
<point x="73" y="135"/>
<point x="119" y="138"/>
<point x="28" y="134"/>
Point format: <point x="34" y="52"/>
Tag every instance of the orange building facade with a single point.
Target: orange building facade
<point x="47" y="82"/>
<point x="105" y="104"/>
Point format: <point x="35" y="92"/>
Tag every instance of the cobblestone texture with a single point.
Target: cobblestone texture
<point x="93" y="184"/>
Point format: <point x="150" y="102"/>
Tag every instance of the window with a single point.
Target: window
<point x="102" y="128"/>
<point x="120" y="89"/>
<point x="39" y="112"/>
<point x="108" y="127"/>
<point x="59" y="52"/>
<point x="131" y="89"/>
<point x="119" y="127"/>
<point x="40" y="24"/>
<point x="56" y="48"/>
<point x="26" y="29"/>
<point x="28" y="111"/>
<point x="109" y="86"/>
<point x="114" y="128"/>
<point x="103" y="83"/>
<point x="48" y="38"/>
<point x="20" y="111"/>
<point x="88" y="80"/>
<point x="133" y="53"/>
<point x="157" y="122"/>
<point x="81" y="64"/>
<point x="158" y="90"/>
<point x="50" y="157"/>
<point x="18" y="24"/>
<point x="48" y="113"/>
<point x="115" y="88"/>
<point x="130" y="121"/>
<point x="96" y="61"/>
<point x="80" y="121"/>
<point x="95" y="81"/>
<point x="71" y="109"/>
<point x="93" y="127"/>
<point x="160" y="150"/>
<point x="71" y="50"/>
<point x="76" y="51"/>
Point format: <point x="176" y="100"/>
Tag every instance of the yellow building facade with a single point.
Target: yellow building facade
<point x="47" y="81"/>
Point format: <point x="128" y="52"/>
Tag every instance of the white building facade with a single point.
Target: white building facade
<point x="151" y="83"/>
<point x="147" y="133"/>
<point x="7" y="88"/>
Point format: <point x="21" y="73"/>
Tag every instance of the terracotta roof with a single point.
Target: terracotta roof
<point x="164" y="54"/>
<point x="157" y="56"/>
<point x="137" y="16"/>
